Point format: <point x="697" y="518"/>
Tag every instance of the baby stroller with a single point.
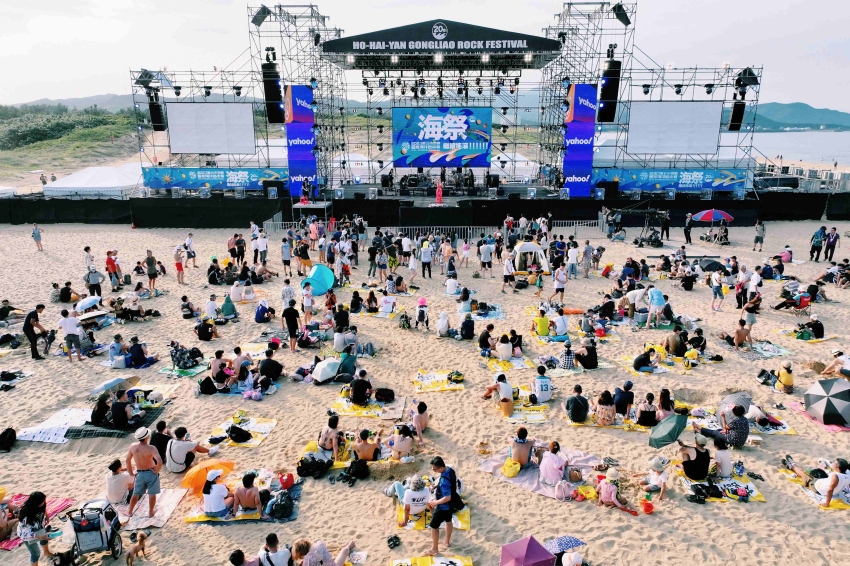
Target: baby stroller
<point x="96" y="529"/>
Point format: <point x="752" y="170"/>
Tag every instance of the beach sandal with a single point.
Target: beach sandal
<point x="393" y="541"/>
<point x="755" y="476"/>
<point x="600" y="468"/>
<point x="351" y="481"/>
<point x="484" y="451"/>
<point x="696" y="499"/>
<point x="611" y="461"/>
<point x="485" y="397"/>
<point x="332" y="479"/>
<point x="779" y="406"/>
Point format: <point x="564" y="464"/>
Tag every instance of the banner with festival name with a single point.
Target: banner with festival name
<point x="211" y="177"/>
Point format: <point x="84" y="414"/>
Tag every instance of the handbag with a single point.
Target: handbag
<point x="511" y="468"/>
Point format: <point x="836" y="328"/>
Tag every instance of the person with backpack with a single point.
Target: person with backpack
<point x="422" y="313"/>
<point x="446" y="501"/>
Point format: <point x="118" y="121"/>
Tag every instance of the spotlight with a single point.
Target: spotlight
<point x="365" y="82"/>
<point x="565" y="105"/>
<point x="504" y="129"/>
<point x="317" y="39"/>
<point x="341" y="111"/>
<point x="380" y="147"/>
<point x="207" y="91"/>
<point x="562" y="37"/>
<point x="504" y="110"/>
<point x="370" y="91"/>
<point x="620" y="13"/>
<point x="398" y="81"/>
<point x="678" y="89"/>
<point x="422" y="91"/>
<point x="501" y="82"/>
<point x="377" y="72"/>
<point x="380" y="111"/>
<point x="709" y="88"/>
<point x="503" y="146"/>
<point x="237" y="90"/>
<point x="313" y="82"/>
<point x="516" y="81"/>
<point x="382" y="82"/>
<point x="497" y="90"/>
<point x="646" y="88"/>
<point x="380" y="164"/>
<point x="485" y="58"/>
<point x="610" y="51"/>
<point x="386" y="91"/>
<point x="440" y="92"/>
<point x="394" y="59"/>
<point x="419" y="71"/>
<point x="314" y="107"/>
<point x="177" y="90"/>
<point x="529" y="57"/>
<point x="260" y="15"/>
<point x="460" y="89"/>
<point x="438" y="58"/>
<point x="565" y="82"/>
<point x="381" y="129"/>
<point x="403" y="90"/>
<point x="342" y="163"/>
<point x="512" y="89"/>
<point x="465" y="92"/>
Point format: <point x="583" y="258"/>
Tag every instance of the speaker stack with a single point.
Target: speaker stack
<point x="609" y="92"/>
<point x="272" y="93"/>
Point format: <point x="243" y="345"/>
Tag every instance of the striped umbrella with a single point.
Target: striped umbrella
<point x="712" y="215"/>
<point x="828" y="401"/>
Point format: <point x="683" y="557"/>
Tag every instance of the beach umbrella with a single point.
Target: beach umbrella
<point x="667" y="431"/>
<point x="116" y="383"/>
<point x="711" y="265"/>
<point x="828" y="401"/>
<point x="712" y="215"/>
<point x="197" y="475"/>
<point x="87" y="303"/>
<point x="742" y="398"/>
<point x="526" y="552"/>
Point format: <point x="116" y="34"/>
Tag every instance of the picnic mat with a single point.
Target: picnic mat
<point x="457" y="293"/>
<point x="461" y="520"/>
<point x="389" y="315"/>
<point x="55" y="505"/>
<point x="529" y="478"/>
<point x="259" y="428"/>
<point x="531" y="414"/>
<point x="627" y="363"/>
<point x="197" y="515"/>
<point x="433" y="561"/>
<point x="166" y="502"/>
<point x="168" y="390"/>
<point x="91" y="431"/>
<point x="711" y="421"/>
<point x="346" y="455"/>
<point x="191" y="372"/>
<point x="559" y="372"/>
<point x="54" y="428"/>
<point x="770" y="350"/>
<point x="507" y="365"/>
<point x="436" y="380"/>
<point x="22" y="375"/>
<point x="256" y="351"/>
<point x="375" y="409"/>
<point x="839" y="500"/>
<point x="801" y="410"/>
<point x="732" y="483"/>
<point x="612" y="336"/>
<point x="495" y="312"/>
<point x="258" y="294"/>
<point x="792" y="333"/>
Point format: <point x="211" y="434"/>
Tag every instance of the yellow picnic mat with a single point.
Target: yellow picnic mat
<point x="513" y="363"/>
<point x="839" y="501"/>
<point x="621" y="423"/>
<point x="790" y="332"/>
<point x="346" y="455"/>
<point x="259" y="428"/>
<point x="531" y="414"/>
<point x="256" y="351"/>
<point x="560" y="372"/>
<point x="732" y="483"/>
<point x="460" y="520"/>
<point x="437" y="380"/>
<point x="390" y="315"/>
<point x="432" y="561"/>
<point x="197" y="515"/>
<point x="627" y="363"/>
<point x="387" y="411"/>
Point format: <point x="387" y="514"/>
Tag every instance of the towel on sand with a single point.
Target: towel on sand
<point x="529" y="478"/>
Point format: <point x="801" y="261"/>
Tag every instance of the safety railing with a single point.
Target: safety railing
<point x="578" y="228"/>
<point x="471" y="233"/>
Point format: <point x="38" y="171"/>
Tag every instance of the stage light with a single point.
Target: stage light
<point x="382" y="82"/>
<point x="503" y="146"/>
<point x="501" y="82"/>
<point x="677" y="89"/>
<point x="380" y="111"/>
<point x="145" y="77"/>
<point x="341" y="111"/>
<point x="512" y="89"/>
<point x="314" y="107"/>
<point x="565" y="105"/>
<point x="381" y="129"/>
<point x="438" y="58"/>
<point x="620" y="13"/>
<point x="565" y="82"/>
<point x="422" y="91"/>
<point x="610" y="51"/>
<point x="542" y="109"/>
<point x="403" y="90"/>
<point x="709" y="88"/>
<point x="283" y="128"/>
<point x="237" y="90"/>
<point x="485" y="58"/>
<point x="342" y="163"/>
<point x="504" y="110"/>
<point x="317" y="39"/>
<point x="419" y="71"/>
<point x="313" y="82"/>
<point x="398" y="81"/>
<point x="497" y="90"/>
<point x="504" y="129"/>
<point x="529" y="57"/>
<point x="261" y="15"/>
<point x="177" y="90"/>
<point x="207" y="91"/>
<point x="562" y="37"/>
<point x="350" y="59"/>
<point x="646" y="88"/>
<point x="380" y="164"/>
<point x="365" y="83"/>
<point x="516" y="81"/>
<point x="380" y="147"/>
<point x="502" y="164"/>
<point x="480" y="90"/>
<point x="370" y="91"/>
<point x="459" y="89"/>
<point x="270" y="55"/>
<point x="477" y="81"/>
<point x="394" y="59"/>
<point x="386" y="91"/>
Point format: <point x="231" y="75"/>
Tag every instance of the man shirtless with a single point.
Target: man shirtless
<point x="240" y="360"/>
<point x="421" y="420"/>
<point x="365" y="450"/>
<point x="521" y="447"/>
<point x="247" y="496"/>
<point x="741" y="335"/>
<point x="329" y="439"/>
<point x="147" y="466"/>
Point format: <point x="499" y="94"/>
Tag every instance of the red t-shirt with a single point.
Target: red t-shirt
<point x="110" y="265"/>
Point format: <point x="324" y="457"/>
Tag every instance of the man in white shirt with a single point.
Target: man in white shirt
<point x="271" y="554"/>
<point x="255" y="247"/>
<point x="211" y="308"/>
<point x="508" y="273"/>
<point x="405" y="249"/>
<point x="451" y="286"/>
<point x="572" y="262"/>
<point x="263" y="246"/>
<point x="500" y="386"/>
<point x="486" y="251"/>
<point x="562" y="323"/>
<point x="634" y="297"/>
<point x="755" y="279"/>
<point x="119" y="484"/>
<point x="523" y="224"/>
<point x="180" y="451"/>
<point x="742" y="281"/>
<point x="72" y="329"/>
<point x="560" y="276"/>
<point x="387" y="303"/>
<point x="190" y="251"/>
<point x="717" y="289"/>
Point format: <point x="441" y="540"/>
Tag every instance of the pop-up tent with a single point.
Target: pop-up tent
<point x="97" y="182"/>
<point x="320" y="279"/>
<point x="528" y="254"/>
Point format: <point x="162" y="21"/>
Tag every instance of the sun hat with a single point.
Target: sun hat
<point x="571" y="559"/>
<point x="213" y="475"/>
<point x="658" y="463"/>
<point x="700" y="439"/>
<point x="837" y="352"/>
<point x="422" y="301"/>
<point x="142" y="433"/>
<point x="612" y="474"/>
<point x="787" y="365"/>
<point x="813" y="317"/>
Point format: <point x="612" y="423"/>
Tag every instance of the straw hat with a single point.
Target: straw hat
<point x="612" y="474"/>
<point x="700" y="439"/>
<point x="142" y="433"/>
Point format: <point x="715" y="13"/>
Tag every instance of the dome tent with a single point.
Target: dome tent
<point x="527" y="254"/>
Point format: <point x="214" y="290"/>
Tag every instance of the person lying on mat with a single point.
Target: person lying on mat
<point x="317" y="554"/>
<point x="420" y="420"/>
<point x="247" y="497"/>
<point x="520" y="448"/>
<point x="401" y="442"/>
<point x="696" y="458"/>
<point x="740" y="338"/>
<point x="218" y="501"/>
<point x="835" y="479"/>
<point x="366" y="450"/>
<point x="499" y="386"/>
<point x="122" y="412"/>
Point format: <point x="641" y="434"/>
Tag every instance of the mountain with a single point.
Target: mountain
<point x="109" y="102"/>
<point x="801" y="114"/>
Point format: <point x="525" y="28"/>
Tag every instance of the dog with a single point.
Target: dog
<point x="136" y="549"/>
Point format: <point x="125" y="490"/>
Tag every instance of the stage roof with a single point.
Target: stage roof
<point x="441" y="44"/>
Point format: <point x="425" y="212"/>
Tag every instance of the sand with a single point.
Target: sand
<point x="787" y="529"/>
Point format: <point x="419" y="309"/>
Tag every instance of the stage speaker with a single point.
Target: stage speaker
<point x="373" y="193"/>
<point x="494" y="181"/>
<point x="464" y="204"/>
<point x="737" y="115"/>
<point x="491" y="193"/>
<point x="412" y="182"/>
<point x="359" y="196"/>
<point x="472" y="192"/>
<point x="157" y="119"/>
<point x="609" y="92"/>
<point x="273" y="187"/>
<point x="500" y="192"/>
<point x="612" y="188"/>
<point x="404" y="192"/>
<point x="405" y="203"/>
<point x="385" y="181"/>
<point x="515" y="196"/>
<point x="564" y="193"/>
<point x="530" y="193"/>
<point x="339" y="193"/>
<point x="670" y="194"/>
<point x="272" y="93"/>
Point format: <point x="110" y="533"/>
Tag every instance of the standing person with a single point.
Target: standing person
<point x="112" y="271"/>
<point x="760" y="232"/>
<point x="560" y="277"/>
<point x="464" y="261"/>
<point x="231" y="247"/>
<point x="147" y="465"/>
<point x="717" y="289"/>
<point x="240" y="250"/>
<point x="286" y="256"/>
<point x="36" y="236"/>
<point x="425" y="255"/>
<point x="741" y="285"/>
<point x="263" y="246"/>
<point x="178" y="264"/>
<point x="255" y="246"/>
<point x="290" y="320"/>
<point x="93" y="279"/>
<point x="523" y="225"/>
<point x="486" y="261"/>
<point x="190" y="251"/>
<point x="749" y="310"/>
<point x="307" y="302"/>
<point x="33" y="520"/>
<point x="89" y="257"/>
<point x="508" y="273"/>
<point x="665" y="224"/>
<point x="381" y="261"/>
<point x="572" y="262"/>
<point x="70" y="326"/>
<point x="755" y="282"/>
<point x="833" y="240"/>
<point x="150" y="266"/>
<point x="817" y="244"/>
<point x="30" y="324"/>
<point x="587" y="258"/>
<point x="689" y="220"/>
<point x="445" y="497"/>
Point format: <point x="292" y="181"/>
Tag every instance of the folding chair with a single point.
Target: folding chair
<point x="804" y="308"/>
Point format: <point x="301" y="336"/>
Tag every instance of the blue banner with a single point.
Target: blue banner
<point x="683" y="180"/>
<point x="211" y="178"/>
<point x="579" y="123"/>
<point x="300" y="137"/>
<point x="442" y="137"/>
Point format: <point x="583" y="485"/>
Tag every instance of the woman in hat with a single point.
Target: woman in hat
<point x="784" y="379"/>
<point x="218" y="501"/>
<point x="840" y="365"/>
<point x="608" y="492"/>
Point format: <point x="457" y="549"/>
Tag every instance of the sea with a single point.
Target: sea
<point x="810" y="147"/>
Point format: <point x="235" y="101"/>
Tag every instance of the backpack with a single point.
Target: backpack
<point x="206" y="386"/>
<point x="282" y="506"/>
<point x="359" y="469"/>
<point x="238" y="434"/>
<point x="7" y="439"/>
<point x="421" y="316"/>
<point x="383" y="395"/>
<point x="307" y="466"/>
<point x="455" y="377"/>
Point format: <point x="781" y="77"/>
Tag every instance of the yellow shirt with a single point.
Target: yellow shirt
<point x="785" y="379"/>
<point x="542" y="323"/>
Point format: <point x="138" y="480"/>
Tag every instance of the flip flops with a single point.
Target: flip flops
<point x="393" y="541"/>
<point x="755" y="476"/>
<point x="332" y="479"/>
<point x="696" y="499"/>
<point x="135" y="535"/>
<point x="610" y="461"/>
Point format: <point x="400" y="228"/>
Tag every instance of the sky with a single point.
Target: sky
<point x="74" y="49"/>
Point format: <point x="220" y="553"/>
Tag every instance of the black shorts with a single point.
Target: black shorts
<point x="439" y="517"/>
<point x="232" y="252"/>
<point x="286" y="262"/>
<point x="405" y="254"/>
<point x="486" y="265"/>
<point x="151" y="275"/>
<point x="293" y="332"/>
<point x="509" y="278"/>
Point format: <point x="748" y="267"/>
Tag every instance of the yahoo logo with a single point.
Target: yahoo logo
<point x="579" y="141"/>
<point x="586" y="102"/>
<point x="297" y="141"/>
<point x="302" y="177"/>
<point x="305" y="104"/>
<point x="577" y="179"/>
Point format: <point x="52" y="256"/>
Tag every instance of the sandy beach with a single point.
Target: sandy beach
<point x="788" y="528"/>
